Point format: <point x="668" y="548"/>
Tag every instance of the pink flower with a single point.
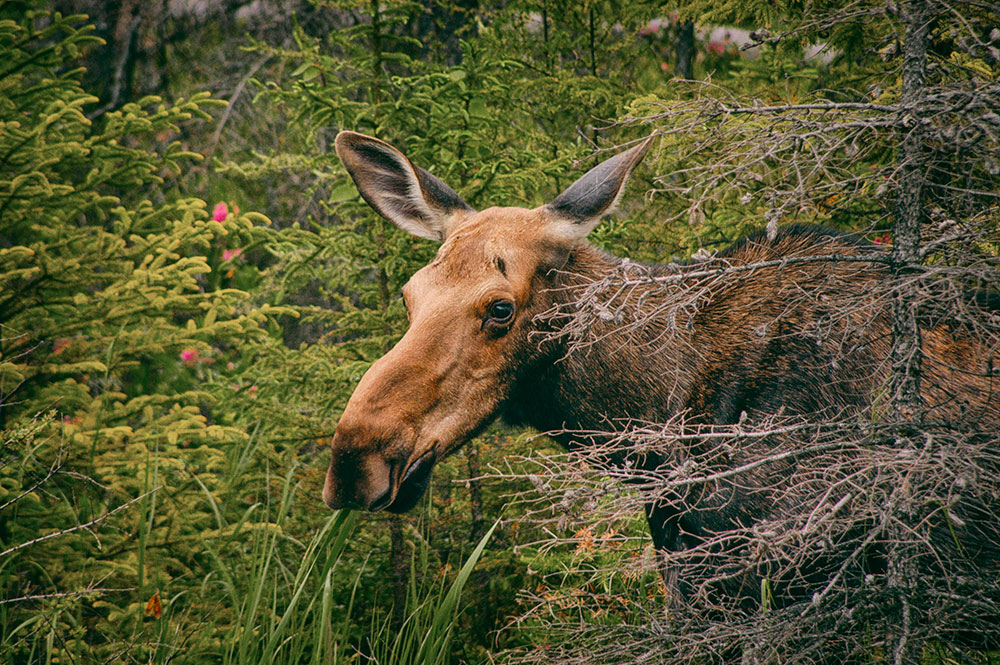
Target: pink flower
<point x="230" y="365"/>
<point x="189" y="356"/>
<point x="652" y="28"/>
<point x="220" y="212"/>
<point x="253" y="391"/>
<point x="718" y="48"/>
<point x="229" y="254"/>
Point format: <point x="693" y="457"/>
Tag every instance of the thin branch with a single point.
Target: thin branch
<point x="91" y="523"/>
<point x="216" y="135"/>
<point x="64" y="594"/>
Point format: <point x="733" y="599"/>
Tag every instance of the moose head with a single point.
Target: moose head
<point x="471" y="313"/>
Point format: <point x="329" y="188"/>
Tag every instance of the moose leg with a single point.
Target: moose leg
<point x="664" y="527"/>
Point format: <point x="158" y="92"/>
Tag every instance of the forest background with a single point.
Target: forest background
<point x="191" y="287"/>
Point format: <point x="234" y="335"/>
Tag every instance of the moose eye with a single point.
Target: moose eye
<point x="500" y="311"/>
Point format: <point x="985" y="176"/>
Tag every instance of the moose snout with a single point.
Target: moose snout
<point x="359" y="480"/>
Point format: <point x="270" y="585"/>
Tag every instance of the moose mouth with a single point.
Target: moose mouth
<point x="414" y="484"/>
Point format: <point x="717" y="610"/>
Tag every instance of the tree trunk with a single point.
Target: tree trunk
<point x="906" y="343"/>
<point x="906" y="354"/>
<point x="400" y="571"/>
<point x="685" y="50"/>
<point x="475" y="494"/>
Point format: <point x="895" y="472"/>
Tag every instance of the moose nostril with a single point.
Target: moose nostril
<point x="381" y="478"/>
<point x="382" y="500"/>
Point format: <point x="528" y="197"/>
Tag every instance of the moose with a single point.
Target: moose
<point x="483" y="342"/>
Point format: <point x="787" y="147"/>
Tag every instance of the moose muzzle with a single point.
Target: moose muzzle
<point x="373" y="478"/>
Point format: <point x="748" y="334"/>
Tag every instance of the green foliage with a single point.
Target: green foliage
<point x="287" y="592"/>
<point x="112" y="307"/>
<point x="169" y="377"/>
<point x="146" y="512"/>
<point x="429" y="628"/>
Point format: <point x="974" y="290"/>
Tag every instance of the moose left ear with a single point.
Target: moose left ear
<point x="406" y="195"/>
<point x="580" y="207"/>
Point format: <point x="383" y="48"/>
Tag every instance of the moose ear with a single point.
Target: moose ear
<point x="580" y="207"/>
<point x="406" y="195"/>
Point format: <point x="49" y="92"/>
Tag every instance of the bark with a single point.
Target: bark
<point x="545" y="34"/>
<point x="593" y="43"/>
<point x="906" y="354"/>
<point x="400" y="571"/>
<point x="685" y="50"/>
<point x="376" y="53"/>
<point x="475" y="493"/>
<point x="124" y="38"/>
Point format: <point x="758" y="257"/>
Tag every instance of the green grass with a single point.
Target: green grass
<point x="271" y="582"/>
<point x="426" y="634"/>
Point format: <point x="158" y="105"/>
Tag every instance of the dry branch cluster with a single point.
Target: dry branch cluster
<point x="846" y="533"/>
<point x="827" y="156"/>
<point x="810" y="577"/>
<point x="855" y="534"/>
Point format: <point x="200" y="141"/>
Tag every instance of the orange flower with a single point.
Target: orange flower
<point x="153" y="606"/>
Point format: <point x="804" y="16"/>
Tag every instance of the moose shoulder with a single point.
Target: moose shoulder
<point x="771" y="326"/>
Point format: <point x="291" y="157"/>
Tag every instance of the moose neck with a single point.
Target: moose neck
<point x="607" y="360"/>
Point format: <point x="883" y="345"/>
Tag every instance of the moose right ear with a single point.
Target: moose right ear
<point x="406" y="195"/>
<point x="576" y="211"/>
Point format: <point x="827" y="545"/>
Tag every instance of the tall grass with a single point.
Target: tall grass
<point x="426" y="634"/>
<point x="287" y="613"/>
<point x="274" y="583"/>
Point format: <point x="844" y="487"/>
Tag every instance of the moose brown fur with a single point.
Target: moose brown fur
<point x="774" y="325"/>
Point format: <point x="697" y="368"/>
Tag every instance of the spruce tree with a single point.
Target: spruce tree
<point x="115" y="317"/>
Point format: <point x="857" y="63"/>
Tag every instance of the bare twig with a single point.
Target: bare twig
<point x="78" y="527"/>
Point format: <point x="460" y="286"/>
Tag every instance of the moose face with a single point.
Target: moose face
<point x="470" y="312"/>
